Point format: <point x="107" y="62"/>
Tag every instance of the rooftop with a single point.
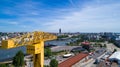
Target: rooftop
<point x="115" y="55"/>
<point x="85" y="43"/>
<point x="73" y="60"/>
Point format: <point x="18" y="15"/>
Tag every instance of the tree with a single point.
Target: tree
<point x="46" y="66"/>
<point x="100" y="45"/>
<point x="53" y="63"/>
<point x="3" y="65"/>
<point x="18" y="60"/>
<point x="105" y="45"/>
<point x="114" y="50"/>
<point x="48" y="52"/>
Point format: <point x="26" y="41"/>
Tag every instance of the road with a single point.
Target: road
<point x="60" y="48"/>
<point x="6" y="62"/>
<point x="96" y="55"/>
<point x="111" y="47"/>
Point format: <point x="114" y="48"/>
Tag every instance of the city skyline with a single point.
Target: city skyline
<point x="69" y="15"/>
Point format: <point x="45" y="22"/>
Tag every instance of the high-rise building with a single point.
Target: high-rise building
<point x="60" y="31"/>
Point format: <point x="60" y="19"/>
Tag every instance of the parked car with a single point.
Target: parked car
<point x="67" y="55"/>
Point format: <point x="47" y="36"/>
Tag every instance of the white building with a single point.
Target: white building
<point x="115" y="57"/>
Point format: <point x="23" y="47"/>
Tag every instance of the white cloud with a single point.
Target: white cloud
<point x="91" y="18"/>
<point x="94" y="15"/>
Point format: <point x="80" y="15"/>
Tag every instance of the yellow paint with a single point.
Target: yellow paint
<point x="33" y="49"/>
<point x="34" y="43"/>
<point x="39" y="58"/>
<point x="7" y="44"/>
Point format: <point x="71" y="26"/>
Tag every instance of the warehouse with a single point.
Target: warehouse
<point x="115" y="57"/>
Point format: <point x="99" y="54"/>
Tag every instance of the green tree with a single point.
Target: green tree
<point x="100" y="45"/>
<point x="18" y="60"/>
<point x="48" y="52"/>
<point x="105" y="45"/>
<point x="46" y="66"/>
<point x="3" y="65"/>
<point x="53" y="63"/>
<point x="114" y="50"/>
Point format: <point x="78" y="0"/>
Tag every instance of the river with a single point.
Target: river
<point x="9" y="53"/>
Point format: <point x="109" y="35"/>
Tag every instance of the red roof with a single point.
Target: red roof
<point x="86" y="43"/>
<point x="73" y="60"/>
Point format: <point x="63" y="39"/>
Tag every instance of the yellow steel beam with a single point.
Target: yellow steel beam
<point x="34" y="42"/>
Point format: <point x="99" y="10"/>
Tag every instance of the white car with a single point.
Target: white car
<point x="67" y="55"/>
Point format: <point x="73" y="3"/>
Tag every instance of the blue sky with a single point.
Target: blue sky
<point x="69" y="15"/>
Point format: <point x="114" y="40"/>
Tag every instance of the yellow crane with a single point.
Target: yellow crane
<point x="34" y="42"/>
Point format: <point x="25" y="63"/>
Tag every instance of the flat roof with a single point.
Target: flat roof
<point x="115" y="55"/>
<point x="73" y="60"/>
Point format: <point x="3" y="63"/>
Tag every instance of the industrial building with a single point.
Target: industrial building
<point x="75" y="61"/>
<point x="115" y="57"/>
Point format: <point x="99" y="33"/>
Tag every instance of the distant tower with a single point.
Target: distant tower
<point x="60" y="31"/>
